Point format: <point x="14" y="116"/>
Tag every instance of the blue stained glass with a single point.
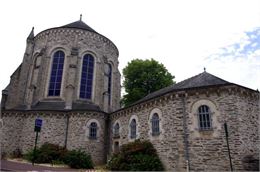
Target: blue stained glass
<point x="55" y="60"/>
<point x="56" y="73"/>
<point x="87" y="77"/>
<point x="109" y="83"/>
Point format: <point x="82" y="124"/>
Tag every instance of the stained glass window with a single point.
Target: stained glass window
<point x="109" y="83"/>
<point x="56" y="73"/>
<point x="87" y="77"/>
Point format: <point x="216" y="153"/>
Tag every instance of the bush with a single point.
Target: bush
<point x="78" y="159"/>
<point x="136" y="156"/>
<point x="51" y="152"/>
<point x="47" y="153"/>
<point x="55" y="154"/>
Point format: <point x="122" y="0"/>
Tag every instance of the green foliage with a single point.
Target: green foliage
<point x="55" y="154"/>
<point x="29" y="155"/>
<point x="143" y="77"/>
<point x="50" y="152"/>
<point x="78" y="159"/>
<point x="136" y="156"/>
<point x="47" y="153"/>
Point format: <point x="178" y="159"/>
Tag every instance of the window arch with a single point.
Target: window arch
<point x="116" y="130"/>
<point x="204" y="118"/>
<point x="133" y="129"/>
<point x="155" y="124"/>
<point x="93" y="130"/>
<point x="56" y="73"/>
<point x="87" y="77"/>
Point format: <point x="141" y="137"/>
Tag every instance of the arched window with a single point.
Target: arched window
<point x="56" y="73"/>
<point x="133" y="129"/>
<point x="204" y="118"/>
<point x="109" y="83"/>
<point x="116" y="130"/>
<point x="155" y="124"/>
<point x="87" y="77"/>
<point x="93" y="130"/>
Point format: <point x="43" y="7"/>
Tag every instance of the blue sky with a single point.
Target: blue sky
<point x="241" y="59"/>
<point x="185" y="35"/>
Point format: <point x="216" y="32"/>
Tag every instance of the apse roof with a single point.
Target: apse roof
<point x="79" y="25"/>
<point x="201" y="80"/>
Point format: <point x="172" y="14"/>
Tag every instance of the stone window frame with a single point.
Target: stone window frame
<point x="51" y="53"/>
<point x="116" y="135"/>
<point x="79" y="74"/>
<point x="161" y="130"/>
<point x="137" y="128"/>
<point x="87" y="132"/>
<point x="215" y="130"/>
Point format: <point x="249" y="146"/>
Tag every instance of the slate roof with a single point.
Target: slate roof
<point x="79" y="25"/>
<point x="201" y="80"/>
<point x="60" y="106"/>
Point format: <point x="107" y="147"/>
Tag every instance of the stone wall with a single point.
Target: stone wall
<point x="32" y="78"/>
<point x="18" y="131"/>
<point x="200" y="150"/>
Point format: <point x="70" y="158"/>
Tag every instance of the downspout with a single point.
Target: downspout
<point x="67" y="130"/>
<point x="185" y="131"/>
<point x="107" y="137"/>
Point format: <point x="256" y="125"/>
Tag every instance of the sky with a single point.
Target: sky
<point x="185" y="35"/>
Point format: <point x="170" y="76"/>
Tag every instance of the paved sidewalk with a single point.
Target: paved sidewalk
<point x="18" y="166"/>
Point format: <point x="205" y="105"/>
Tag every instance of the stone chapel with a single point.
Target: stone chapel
<point x="69" y="78"/>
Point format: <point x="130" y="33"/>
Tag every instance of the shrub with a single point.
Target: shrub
<point x="51" y="152"/>
<point x="55" y="154"/>
<point x="136" y="156"/>
<point x="78" y="159"/>
<point x="29" y="155"/>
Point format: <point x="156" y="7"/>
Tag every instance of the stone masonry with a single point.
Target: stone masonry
<point x="181" y="143"/>
<point x="206" y="150"/>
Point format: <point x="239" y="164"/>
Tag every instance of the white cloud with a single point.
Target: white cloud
<point x="179" y="34"/>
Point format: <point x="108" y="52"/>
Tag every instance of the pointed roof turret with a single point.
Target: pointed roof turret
<point x="31" y="35"/>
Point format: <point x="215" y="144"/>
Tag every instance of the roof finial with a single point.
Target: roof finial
<point x="80" y="17"/>
<point x="204" y="69"/>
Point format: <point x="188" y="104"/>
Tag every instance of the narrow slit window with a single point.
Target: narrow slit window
<point x="155" y="124"/>
<point x="93" y="130"/>
<point x="116" y="130"/>
<point x="133" y="129"/>
<point x="109" y="83"/>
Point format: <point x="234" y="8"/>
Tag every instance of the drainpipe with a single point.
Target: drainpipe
<point x="67" y="130"/>
<point x="107" y="141"/>
<point x="185" y="131"/>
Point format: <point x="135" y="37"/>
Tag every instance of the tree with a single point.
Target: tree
<point x="142" y="77"/>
